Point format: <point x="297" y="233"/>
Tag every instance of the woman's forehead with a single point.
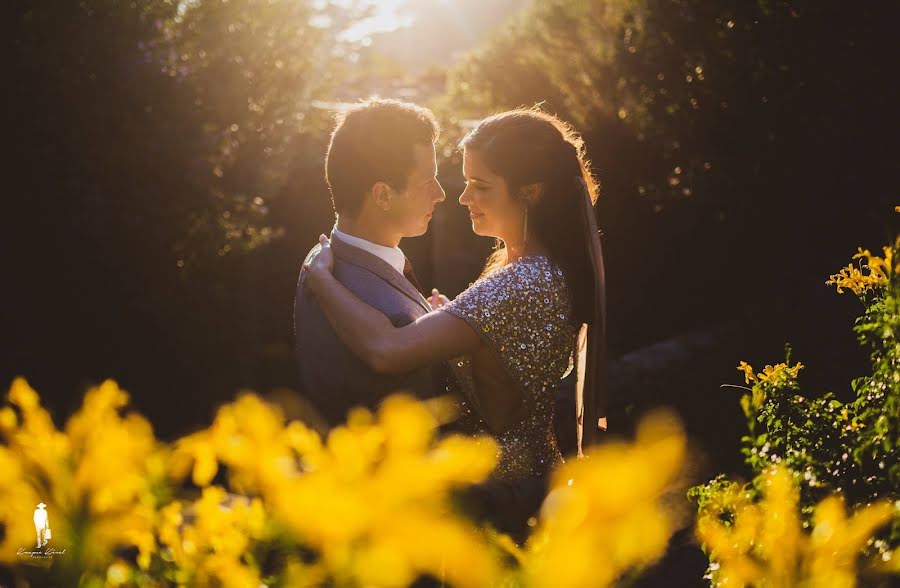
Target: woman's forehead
<point x="473" y="165"/>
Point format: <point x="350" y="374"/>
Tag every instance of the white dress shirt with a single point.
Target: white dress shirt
<point x="393" y="256"/>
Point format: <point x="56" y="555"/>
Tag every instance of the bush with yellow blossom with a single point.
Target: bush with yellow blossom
<point x="289" y="508"/>
<point x="254" y="501"/>
<point x="825" y="452"/>
<point x="606" y="514"/>
<point x="101" y="478"/>
<point x="756" y="536"/>
<point x="371" y="504"/>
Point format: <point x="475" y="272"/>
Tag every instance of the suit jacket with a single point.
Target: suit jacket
<point x="331" y="377"/>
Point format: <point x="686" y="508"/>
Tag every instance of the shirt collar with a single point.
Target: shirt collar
<point x="392" y="255"/>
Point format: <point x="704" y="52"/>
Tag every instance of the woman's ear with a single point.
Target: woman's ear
<point x="382" y="195"/>
<point x="531" y="193"/>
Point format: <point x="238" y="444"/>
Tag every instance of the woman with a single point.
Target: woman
<point x="529" y="185"/>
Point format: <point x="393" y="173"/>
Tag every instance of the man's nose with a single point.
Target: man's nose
<point x="440" y="195"/>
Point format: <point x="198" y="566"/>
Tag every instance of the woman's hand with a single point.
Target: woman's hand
<point x="320" y="265"/>
<point x="437" y="299"/>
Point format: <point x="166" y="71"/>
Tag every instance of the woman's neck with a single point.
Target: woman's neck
<point x="515" y="251"/>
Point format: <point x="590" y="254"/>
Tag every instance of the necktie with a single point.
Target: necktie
<point x="410" y="275"/>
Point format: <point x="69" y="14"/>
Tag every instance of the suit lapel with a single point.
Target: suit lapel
<point x="379" y="267"/>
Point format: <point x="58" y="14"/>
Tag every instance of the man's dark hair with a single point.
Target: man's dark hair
<point x="371" y="142"/>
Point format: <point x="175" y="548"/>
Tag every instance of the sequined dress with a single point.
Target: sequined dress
<point x="521" y="311"/>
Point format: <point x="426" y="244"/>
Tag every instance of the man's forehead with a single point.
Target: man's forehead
<point x="425" y="157"/>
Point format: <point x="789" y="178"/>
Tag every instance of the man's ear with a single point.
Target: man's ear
<point x="531" y="193"/>
<point x="383" y="196"/>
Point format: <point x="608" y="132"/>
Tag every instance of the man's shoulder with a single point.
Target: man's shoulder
<point x="347" y="269"/>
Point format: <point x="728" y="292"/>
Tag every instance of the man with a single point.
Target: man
<point x="381" y="170"/>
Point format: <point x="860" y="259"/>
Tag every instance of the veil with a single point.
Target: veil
<point x="591" y="390"/>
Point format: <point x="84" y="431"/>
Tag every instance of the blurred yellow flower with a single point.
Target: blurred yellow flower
<point x="381" y="485"/>
<point x="364" y="498"/>
<point x="604" y="515"/>
<point x="372" y="502"/>
<point x="248" y="436"/>
<point x="118" y="573"/>
<point x="207" y="540"/>
<point x="42" y="449"/>
<point x="97" y="477"/>
<point x="765" y="544"/>
<point x="19" y="499"/>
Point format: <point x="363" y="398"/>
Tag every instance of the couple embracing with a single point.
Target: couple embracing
<point x="364" y="330"/>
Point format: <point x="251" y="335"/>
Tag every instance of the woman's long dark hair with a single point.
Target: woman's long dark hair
<point x="529" y="146"/>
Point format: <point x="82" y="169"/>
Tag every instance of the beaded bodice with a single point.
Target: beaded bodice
<point x="521" y="311"/>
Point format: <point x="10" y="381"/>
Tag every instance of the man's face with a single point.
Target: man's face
<point x="413" y="208"/>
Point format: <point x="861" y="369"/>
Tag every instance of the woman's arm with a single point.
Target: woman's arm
<point x="371" y="336"/>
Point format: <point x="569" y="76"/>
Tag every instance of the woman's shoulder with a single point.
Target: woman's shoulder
<point x="527" y="280"/>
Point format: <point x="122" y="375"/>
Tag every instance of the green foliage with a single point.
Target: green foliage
<point x="849" y="449"/>
<point x="693" y="91"/>
<point x="251" y="70"/>
<point x="669" y="72"/>
<point x="710" y="495"/>
<point x="194" y="114"/>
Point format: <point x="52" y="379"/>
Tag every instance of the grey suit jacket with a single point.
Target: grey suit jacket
<point x="331" y="377"/>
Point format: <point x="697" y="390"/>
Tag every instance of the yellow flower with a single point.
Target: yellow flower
<point x="775" y="375"/>
<point x="96" y="476"/>
<point x="766" y="545"/>
<point x="851" y="277"/>
<point x="747" y="369"/>
<point x="195" y="453"/>
<point x="19" y="499"/>
<point x="248" y="436"/>
<point x="779" y="373"/>
<point x="379" y="485"/>
<point x="772" y="374"/>
<point x="118" y="573"/>
<point x="604" y="514"/>
<point x="836" y="540"/>
<point x="408" y="426"/>
<point x="43" y="449"/>
<point x="207" y="539"/>
<point x="23" y="396"/>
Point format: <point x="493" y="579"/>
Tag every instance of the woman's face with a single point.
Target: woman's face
<point x="494" y="213"/>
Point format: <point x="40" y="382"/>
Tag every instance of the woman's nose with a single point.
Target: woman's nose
<point x="464" y="197"/>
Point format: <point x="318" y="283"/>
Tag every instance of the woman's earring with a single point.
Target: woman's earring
<point x="525" y="231"/>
